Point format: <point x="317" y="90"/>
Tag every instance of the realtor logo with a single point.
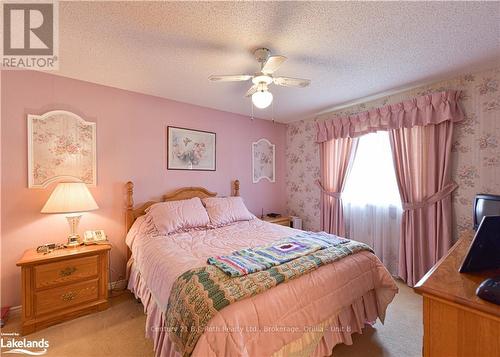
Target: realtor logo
<point x="12" y="343"/>
<point x="30" y="35"/>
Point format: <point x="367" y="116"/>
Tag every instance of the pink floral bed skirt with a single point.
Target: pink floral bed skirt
<point x="318" y="343"/>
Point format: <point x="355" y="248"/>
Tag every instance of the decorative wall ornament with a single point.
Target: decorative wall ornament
<point x="189" y="149"/>
<point x="61" y="146"/>
<point x="263" y="161"/>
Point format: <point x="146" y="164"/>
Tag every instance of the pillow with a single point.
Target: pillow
<point x="225" y="210"/>
<point x="175" y="216"/>
<point x="136" y="230"/>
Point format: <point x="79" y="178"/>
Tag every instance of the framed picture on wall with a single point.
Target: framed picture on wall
<point x="189" y="149"/>
<point x="263" y="161"/>
<point x="61" y="146"/>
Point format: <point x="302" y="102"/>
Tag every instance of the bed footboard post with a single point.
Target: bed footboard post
<point x="236" y="187"/>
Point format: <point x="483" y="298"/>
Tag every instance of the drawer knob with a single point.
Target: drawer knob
<point x="67" y="271"/>
<point x="68" y="296"/>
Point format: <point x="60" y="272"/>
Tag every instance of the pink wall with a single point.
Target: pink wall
<point x="130" y="146"/>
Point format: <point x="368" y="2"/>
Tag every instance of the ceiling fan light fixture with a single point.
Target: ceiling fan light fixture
<point x="262" y="98"/>
<point x="263" y="78"/>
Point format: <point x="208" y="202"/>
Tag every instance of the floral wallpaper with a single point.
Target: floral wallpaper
<point x="62" y="146"/>
<point x="475" y="151"/>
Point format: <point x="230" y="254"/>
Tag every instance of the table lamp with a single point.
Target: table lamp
<point x="71" y="197"/>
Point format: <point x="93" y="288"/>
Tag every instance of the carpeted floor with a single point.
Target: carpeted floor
<point x="401" y="334"/>
<point x="119" y="331"/>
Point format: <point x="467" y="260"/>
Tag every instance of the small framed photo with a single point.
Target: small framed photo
<point x="189" y="149"/>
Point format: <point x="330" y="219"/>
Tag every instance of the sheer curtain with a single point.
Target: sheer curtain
<point x="371" y="200"/>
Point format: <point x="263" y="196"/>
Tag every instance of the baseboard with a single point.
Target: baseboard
<point x="14" y="312"/>
<point x="118" y="285"/>
<point x="15" y="308"/>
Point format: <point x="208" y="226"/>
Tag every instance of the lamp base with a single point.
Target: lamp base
<point x="73" y="238"/>
<point x="73" y="242"/>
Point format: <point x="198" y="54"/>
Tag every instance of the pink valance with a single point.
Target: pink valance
<point x="420" y="111"/>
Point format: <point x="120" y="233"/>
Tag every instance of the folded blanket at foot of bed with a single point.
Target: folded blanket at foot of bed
<point x="251" y="260"/>
<point x="199" y="293"/>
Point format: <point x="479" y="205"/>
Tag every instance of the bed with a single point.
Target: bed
<point x="306" y="316"/>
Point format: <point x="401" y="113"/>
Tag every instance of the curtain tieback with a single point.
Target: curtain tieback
<point x="328" y="193"/>
<point x="438" y="196"/>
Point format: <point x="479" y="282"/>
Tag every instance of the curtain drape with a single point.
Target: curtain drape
<point x="420" y="131"/>
<point x="422" y="156"/>
<point x="336" y="158"/>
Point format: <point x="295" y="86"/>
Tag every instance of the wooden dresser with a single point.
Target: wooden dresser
<point x="457" y="322"/>
<point x="63" y="284"/>
<point x="281" y="220"/>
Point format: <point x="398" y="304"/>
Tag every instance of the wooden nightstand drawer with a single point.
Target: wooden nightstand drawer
<point x="66" y="271"/>
<point x="65" y="296"/>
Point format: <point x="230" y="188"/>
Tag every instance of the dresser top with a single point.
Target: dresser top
<point x="31" y="256"/>
<point x="446" y="282"/>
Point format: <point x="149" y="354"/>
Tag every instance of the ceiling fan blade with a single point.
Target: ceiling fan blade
<point x="291" y="82"/>
<point x="272" y="64"/>
<point x="230" y="78"/>
<point x="252" y="90"/>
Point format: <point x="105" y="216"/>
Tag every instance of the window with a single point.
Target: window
<point x="371" y="200"/>
<point x="372" y="180"/>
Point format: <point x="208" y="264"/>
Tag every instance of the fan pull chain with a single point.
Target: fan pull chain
<point x="272" y="111"/>
<point x="251" y="104"/>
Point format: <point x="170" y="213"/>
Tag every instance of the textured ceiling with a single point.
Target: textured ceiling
<point x="348" y="49"/>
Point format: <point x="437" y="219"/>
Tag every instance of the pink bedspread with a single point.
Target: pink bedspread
<point x="263" y="324"/>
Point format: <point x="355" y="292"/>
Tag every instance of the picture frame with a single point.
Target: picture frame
<point x="191" y="149"/>
<point x="61" y="147"/>
<point x="263" y="161"/>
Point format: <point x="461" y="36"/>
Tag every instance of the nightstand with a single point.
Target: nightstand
<point x="282" y="220"/>
<point x="63" y="284"/>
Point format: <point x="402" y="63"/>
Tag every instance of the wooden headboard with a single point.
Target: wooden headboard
<point x="180" y="194"/>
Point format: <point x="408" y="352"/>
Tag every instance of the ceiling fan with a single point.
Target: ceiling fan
<point x="261" y="97"/>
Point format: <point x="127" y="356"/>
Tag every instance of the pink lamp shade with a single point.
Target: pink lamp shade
<point x="70" y="197"/>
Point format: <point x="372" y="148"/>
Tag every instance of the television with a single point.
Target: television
<point x="485" y="205"/>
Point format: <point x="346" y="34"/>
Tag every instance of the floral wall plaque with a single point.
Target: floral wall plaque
<point x="61" y="146"/>
<point x="189" y="149"/>
<point x="263" y="157"/>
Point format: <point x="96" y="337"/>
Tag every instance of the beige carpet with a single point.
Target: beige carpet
<point x="119" y="331"/>
<point x="401" y="334"/>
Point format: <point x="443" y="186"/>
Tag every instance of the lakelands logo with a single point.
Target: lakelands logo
<point x="30" y="35"/>
<point x="24" y="346"/>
